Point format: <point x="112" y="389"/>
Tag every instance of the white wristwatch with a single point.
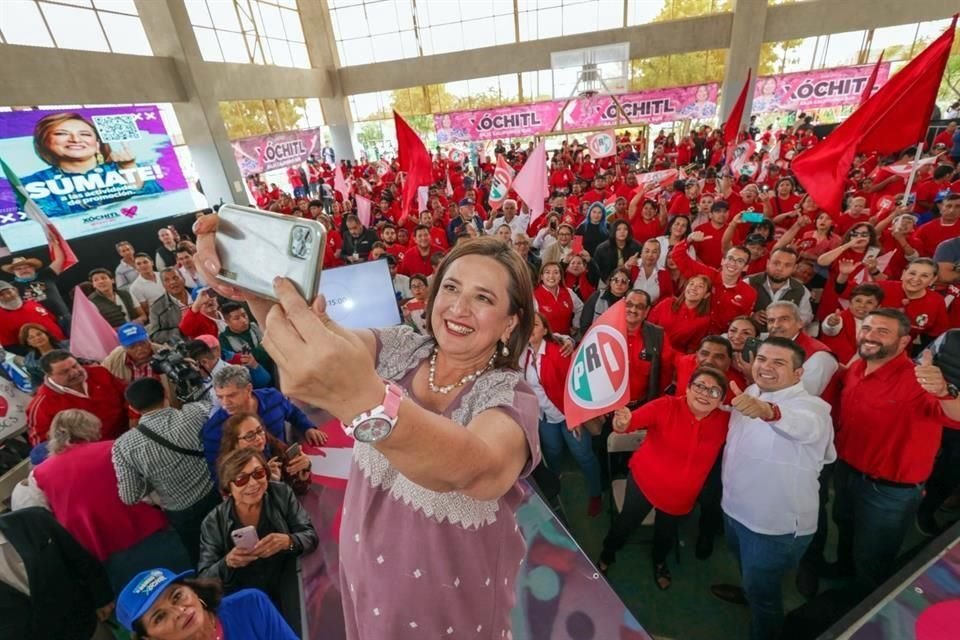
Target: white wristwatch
<point x="375" y="425"/>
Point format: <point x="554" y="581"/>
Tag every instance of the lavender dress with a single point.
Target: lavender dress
<point x="416" y="563"/>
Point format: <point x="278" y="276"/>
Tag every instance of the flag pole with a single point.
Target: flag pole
<point x="913" y="174"/>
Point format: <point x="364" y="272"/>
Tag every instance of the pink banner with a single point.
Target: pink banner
<point x="814" y="89"/>
<point x="275" y="151"/>
<point x="651" y="107"/>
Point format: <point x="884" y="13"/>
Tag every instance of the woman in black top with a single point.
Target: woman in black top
<point x="621" y="250"/>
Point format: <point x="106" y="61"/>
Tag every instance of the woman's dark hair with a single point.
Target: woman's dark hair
<point x="230" y="440"/>
<point x="764" y="224"/>
<point x="419" y="276"/>
<point x="32" y="326"/>
<point x="519" y="292"/>
<point x="208" y="590"/>
<point x="622" y="271"/>
<point x="554" y="263"/>
<point x="719" y="377"/>
<point x="615" y="227"/>
<point x="673" y="219"/>
<point x="873" y="242"/>
<point x="548" y="335"/>
<point x="753" y="323"/>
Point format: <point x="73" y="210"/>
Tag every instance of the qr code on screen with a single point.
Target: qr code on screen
<point x="120" y="128"/>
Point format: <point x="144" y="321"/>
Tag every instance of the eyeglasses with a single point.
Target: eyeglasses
<point x="241" y="480"/>
<point x="714" y="392"/>
<point x="524" y="242"/>
<point x="619" y="281"/>
<point x="253" y="435"/>
<point x="739" y="261"/>
<point x="860" y="234"/>
<point x="638" y="307"/>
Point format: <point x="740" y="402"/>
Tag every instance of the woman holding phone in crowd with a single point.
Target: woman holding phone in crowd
<point x="252" y="538"/>
<point x="445" y="428"/>
<point x="286" y="462"/>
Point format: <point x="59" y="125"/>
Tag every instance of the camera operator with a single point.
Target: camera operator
<point x="131" y="360"/>
<point x="205" y="350"/>
<point x="162" y="458"/>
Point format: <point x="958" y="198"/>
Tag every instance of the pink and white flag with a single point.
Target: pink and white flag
<point x="364" y="210"/>
<point x="340" y="184"/>
<point x="531" y="182"/>
<point x="91" y="336"/>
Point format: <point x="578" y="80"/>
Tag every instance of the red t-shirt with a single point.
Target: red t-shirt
<point x="677" y="454"/>
<point x="889" y="427"/>
<point x="933" y="233"/>
<point x="684" y="328"/>
<point x="928" y="315"/>
<point x="710" y="249"/>
<point x="29" y="311"/>
<point x="726" y="303"/>
<point x="558" y="308"/>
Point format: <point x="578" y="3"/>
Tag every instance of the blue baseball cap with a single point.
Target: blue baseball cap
<point x="466" y="202"/>
<point x="141" y="592"/>
<point x="131" y="333"/>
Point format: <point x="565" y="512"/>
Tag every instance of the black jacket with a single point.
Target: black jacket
<point x="361" y="246"/>
<point x="281" y="513"/>
<point x="606" y="256"/>
<point x="67" y="584"/>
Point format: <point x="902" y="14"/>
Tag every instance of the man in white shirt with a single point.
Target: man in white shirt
<point x="518" y="222"/>
<point x="126" y="271"/>
<point x="148" y="286"/>
<point x="779" y="439"/>
<point x="785" y="320"/>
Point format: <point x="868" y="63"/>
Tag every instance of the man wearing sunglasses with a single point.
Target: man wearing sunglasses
<point x="779" y="439"/>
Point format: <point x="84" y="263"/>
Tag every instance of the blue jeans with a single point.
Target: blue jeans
<point x="764" y="560"/>
<point x="553" y="435"/>
<point x="872" y="522"/>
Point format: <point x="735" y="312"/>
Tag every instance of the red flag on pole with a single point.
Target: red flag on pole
<point x="892" y="119"/>
<point x="868" y="90"/>
<point x="731" y="129"/>
<point x="599" y="377"/>
<point x="414" y="160"/>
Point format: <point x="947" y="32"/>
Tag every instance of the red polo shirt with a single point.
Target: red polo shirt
<point x="889" y="427"/>
<point x="684" y="328"/>
<point x="104" y="400"/>
<point x="677" y="454"/>
<point x="710" y="249"/>
<point x="414" y="262"/>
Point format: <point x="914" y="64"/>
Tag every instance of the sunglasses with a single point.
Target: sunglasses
<point x="860" y="234"/>
<point x="253" y="435"/>
<point x="619" y="281"/>
<point x="714" y="392"/>
<point x="242" y="479"/>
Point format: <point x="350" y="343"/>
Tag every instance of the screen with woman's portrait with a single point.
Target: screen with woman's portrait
<point x="89" y="170"/>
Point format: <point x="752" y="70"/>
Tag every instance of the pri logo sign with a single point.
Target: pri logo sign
<point x="602" y="145"/>
<point x="598" y="376"/>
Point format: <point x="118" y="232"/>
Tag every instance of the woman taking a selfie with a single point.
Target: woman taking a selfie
<point x="264" y="558"/>
<point x="444" y="428"/>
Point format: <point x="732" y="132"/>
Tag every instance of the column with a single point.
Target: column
<point x="170" y="33"/>
<point x="746" y="38"/>
<point x="320" y="40"/>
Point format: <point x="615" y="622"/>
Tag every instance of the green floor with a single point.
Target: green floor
<point x="686" y="611"/>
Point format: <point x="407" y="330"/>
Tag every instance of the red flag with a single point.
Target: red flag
<point x="599" y="377"/>
<point x="414" y="160"/>
<point x="731" y="129"/>
<point x="868" y="90"/>
<point x="892" y="119"/>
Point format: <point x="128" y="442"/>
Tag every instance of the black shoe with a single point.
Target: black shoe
<point x="704" y="547"/>
<point x="729" y="593"/>
<point x="927" y="525"/>
<point x="808" y="582"/>
<point x="662" y="577"/>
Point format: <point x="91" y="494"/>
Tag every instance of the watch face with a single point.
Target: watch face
<point x="373" y="430"/>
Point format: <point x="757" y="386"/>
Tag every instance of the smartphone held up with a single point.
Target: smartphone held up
<point x="256" y="246"/>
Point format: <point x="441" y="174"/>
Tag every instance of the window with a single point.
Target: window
<point x="373" y="31"/>
<point x="249" y="31"/>
<point x="461" y="25"/>
<point x="552" y="18"/>
<point x="245" y="118"/>
<point x="89" y="25"/>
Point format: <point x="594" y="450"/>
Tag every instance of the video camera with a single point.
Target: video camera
<point x="181" y="370"/>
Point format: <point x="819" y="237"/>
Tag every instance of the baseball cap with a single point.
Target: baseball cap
<point x="131" y="333"/>
<point x="466" y="202"/>
<point x="141" y="592"/>
<point x="6" y="285"/>
<point x="209" y="340"/>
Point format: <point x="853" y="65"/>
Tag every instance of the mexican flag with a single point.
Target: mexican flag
<point x="599" y="377"/>
<point x="35" y="213"/>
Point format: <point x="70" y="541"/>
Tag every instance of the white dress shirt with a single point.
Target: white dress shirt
<point x="818" y="370"/>
<point x="771" y="470"/>
<point x="649" y="284"/>
<point x="148" y="291"/>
